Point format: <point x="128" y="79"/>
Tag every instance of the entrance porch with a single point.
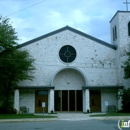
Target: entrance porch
<point x="68" y="100"/>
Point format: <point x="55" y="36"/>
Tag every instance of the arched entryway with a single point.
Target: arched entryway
<point x="68" y="95"/>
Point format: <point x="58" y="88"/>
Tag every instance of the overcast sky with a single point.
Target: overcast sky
<point x="44" y="16"/>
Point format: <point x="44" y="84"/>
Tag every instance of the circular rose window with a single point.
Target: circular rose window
<point x="67" y="54"/>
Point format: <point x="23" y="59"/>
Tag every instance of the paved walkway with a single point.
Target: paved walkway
<point x="73" y="116"/>
<point x="82" y="116"/>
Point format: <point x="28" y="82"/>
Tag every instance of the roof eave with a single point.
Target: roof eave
<point x="102" y="87"/>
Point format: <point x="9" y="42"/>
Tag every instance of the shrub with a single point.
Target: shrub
<point x="125" y="96"/>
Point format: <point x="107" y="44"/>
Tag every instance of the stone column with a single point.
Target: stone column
<point x="86" y="100"/>
<point x="51" y="100"/>
<point x="16" y="100"/>
<point x="119" y="101"/>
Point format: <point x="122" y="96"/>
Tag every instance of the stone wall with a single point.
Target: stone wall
<point x="27" y="98"/>
<point x="110" y="96"/>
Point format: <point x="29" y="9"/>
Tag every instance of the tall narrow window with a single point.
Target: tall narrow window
<point x="129" y="29"/>
<point x="115" y="33"/>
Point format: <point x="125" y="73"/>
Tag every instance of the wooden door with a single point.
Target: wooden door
<point x="95" y="100"/>
<point x="38" y="103"/>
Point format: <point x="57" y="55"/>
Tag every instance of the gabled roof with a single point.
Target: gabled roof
<point x="70" y="29"/>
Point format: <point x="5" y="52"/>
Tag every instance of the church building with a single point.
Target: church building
<point x="75" y="71"/>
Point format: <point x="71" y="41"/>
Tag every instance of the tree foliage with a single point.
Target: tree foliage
<point x="8" y="36"/>
<point x="125" y="96"/>
<point x="15" y="65"/>
<point x="125" y="93"/>
<point x="126" y="67"/>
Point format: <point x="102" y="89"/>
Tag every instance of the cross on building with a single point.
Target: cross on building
<point x="126" y="4"/>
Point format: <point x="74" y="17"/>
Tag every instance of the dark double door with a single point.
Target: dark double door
<point x="68" y="100"/>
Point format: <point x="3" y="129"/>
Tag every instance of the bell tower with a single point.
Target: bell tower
<point x="120" y="28"/>
<point x="120" y="37"/>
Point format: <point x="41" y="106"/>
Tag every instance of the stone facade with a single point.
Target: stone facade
<point x="94" y="59"/>
<point x="97" y="64"/>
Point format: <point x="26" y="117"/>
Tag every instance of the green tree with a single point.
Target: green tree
<point x="8" y="36"/>
<point x="126" y="67"/>
<point x="125" y="93"/>
<point x="125" y="96"/>
<point x="15" y="65"/>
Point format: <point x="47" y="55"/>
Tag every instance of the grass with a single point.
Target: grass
<point x="110" y="114"/>
<point x="20" y="116"/>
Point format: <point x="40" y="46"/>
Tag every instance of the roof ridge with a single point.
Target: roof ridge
<point x="71" y="29"/>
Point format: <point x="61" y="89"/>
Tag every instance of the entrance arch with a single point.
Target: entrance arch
<point x="68" y="95"/>
<point x="71" y="69"/>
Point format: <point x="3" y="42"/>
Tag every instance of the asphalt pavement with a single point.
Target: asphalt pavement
<point x="64" y="121"/>
<point x="67" y="116"/>
<point x="61" y="125"/>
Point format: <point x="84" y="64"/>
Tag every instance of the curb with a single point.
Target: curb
<point x="28" y="120"/>
<point x="111" y="118"/>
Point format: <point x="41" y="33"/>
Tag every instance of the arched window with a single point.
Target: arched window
<point x="129" y="29"/>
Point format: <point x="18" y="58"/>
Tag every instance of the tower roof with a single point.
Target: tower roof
<point x="117" y="13"/>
